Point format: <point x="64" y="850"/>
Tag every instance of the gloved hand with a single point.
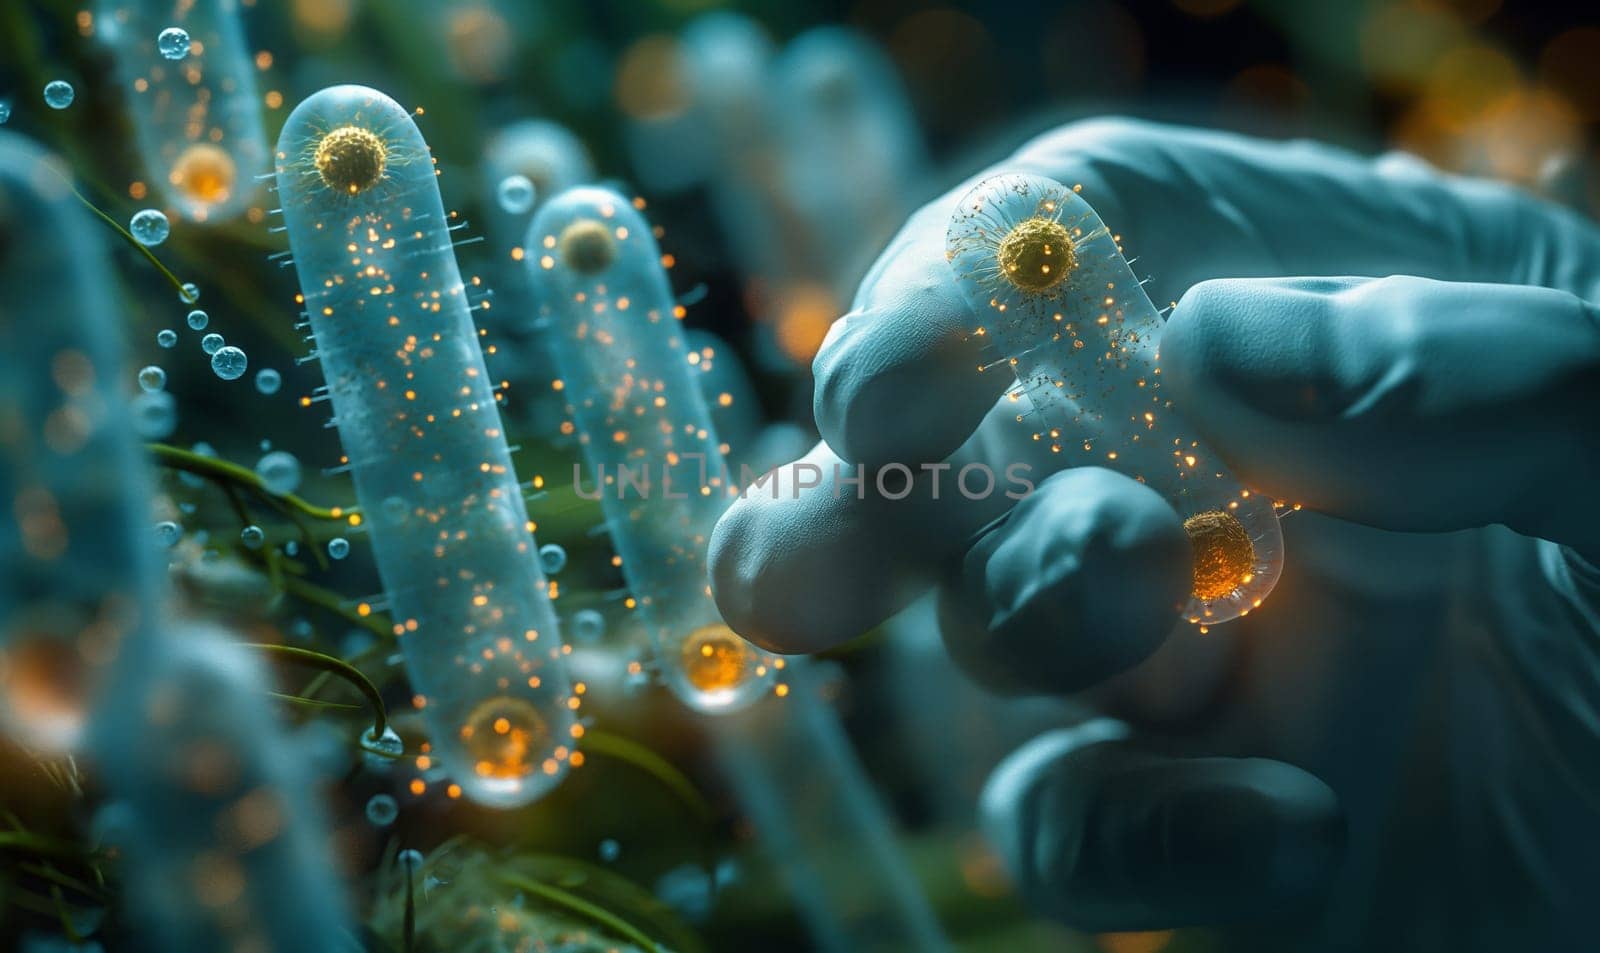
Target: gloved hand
<point x="1401" y="748"/>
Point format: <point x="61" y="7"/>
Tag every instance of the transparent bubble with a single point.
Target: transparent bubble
<point x="382" y="810"/>
<point x="552" y="559"/>
<point x="155" y="415"/>
<point x="229" y="362"/>
<point x="166" y="337"/>
<point x="252" y="536"/>
<point x="173" y="43"/>
<point x="338" y="547"/>
<point x="198" y="319"/>
<point x="588" y="625"/>
<point x="5" y="111"/>
<point x="152" y="378"/>
<point x="189" y="293"/>
<point x="382" y="748"/>
<point x="516" y="194"/>
<point x="58" y="94"/>
<point x="149" y="226"/>
<point x="395" y="510"/>
<point x="410" y="859"/>
<point x="168" y="533"/>
<point x="268" y="380"/>
<point x="280" y="471"/>
<point x="212" y="343"/>
<point x="610" y="850"/>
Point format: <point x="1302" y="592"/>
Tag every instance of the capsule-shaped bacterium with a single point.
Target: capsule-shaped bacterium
<point x="552" y="160"/>
<point x="223" y="845"/>
<point x="645" y="430"/>
<point x="841" y="105"/>
<point x="419" y="423"/>
<point x="1055" y="302"/>
<point x="197" y="118"/>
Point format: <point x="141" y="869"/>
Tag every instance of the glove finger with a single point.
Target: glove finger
<point x="1107" y="836"/>
<point x="1403" y="403"/>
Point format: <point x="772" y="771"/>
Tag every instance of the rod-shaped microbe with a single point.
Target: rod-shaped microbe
<point x="547" y="159"/>
<point x="222" y="844"/>
<point x="1054" y="301"/>
<point x="839" y="105"/>
<point x="645" y="430"/>
<point x="419" y="423"/>
<point x="197" y="117"/>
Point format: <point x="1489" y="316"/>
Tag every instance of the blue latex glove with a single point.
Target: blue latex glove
<point x="1401" y="749"/>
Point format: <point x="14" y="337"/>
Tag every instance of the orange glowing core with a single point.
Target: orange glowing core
<point x="204" y="173"/>
<point x="715" y="660"/>
<point x="1224" y="557"/>
<point x="505" y="737"/>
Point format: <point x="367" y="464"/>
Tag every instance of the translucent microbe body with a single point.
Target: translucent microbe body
<point x="841" y="105"/>
<point x="1055" y="302"/>
<point x="221" y="842"/>
<point x="419" y="423"/>
<point x="645" y="430"/>
<point x="552" y="160"/>
<point x="197" y="118"/>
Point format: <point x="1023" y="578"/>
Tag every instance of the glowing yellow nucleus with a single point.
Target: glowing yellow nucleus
<point x="1036" y="255"/>
<point x="715" y="660"/>
<point x="351" y="159"/>
<point x="1224" y="557"/>
<point x="587" y="247"/>
<point x="505" y="737"/>
<point x="205" y="173"/>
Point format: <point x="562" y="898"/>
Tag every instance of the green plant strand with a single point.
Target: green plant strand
<point x="217" y="469"/>
<point x="583" y="908"/>
<point x="339" y="667"/>
<point x="615" y="746"/>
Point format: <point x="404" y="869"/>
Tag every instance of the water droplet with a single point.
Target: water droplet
<point x="5" y="112"/>
<point x="166" y="337"/>
<point x="229" y="363"/>
<point x="212" y="343"/>
<point x="155" y="415"/>
<point x="198" y="319"/>
<point x="58" y="94"/>
<point x="516" y="194"/>
<point x="382" y="810"/>
<point x="291" y="548"/>
<point x="252" y="536"/>
<point x="189" y="293"/>
<point x="338" y="547"/>
<point x="152" y="378"/>
<point x="588" y="625"/>
<point x="383" y="748"/>
<point x="552" y="559"/>
<point x="280" y="471"/>
<point x="168" y="533"/>
<point x="173" y="43"/>
<point x="268" y="380"/>
<point x="149" y="226"/>
<point x="610" y="850"/>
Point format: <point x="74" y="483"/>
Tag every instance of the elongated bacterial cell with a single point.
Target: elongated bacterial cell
<point x="645" y="431"/>
<point x="208" y="793"/>
<point x="197" y="117"/>
<point x="419" y="422"/>
<point x="1053" y="298"/>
